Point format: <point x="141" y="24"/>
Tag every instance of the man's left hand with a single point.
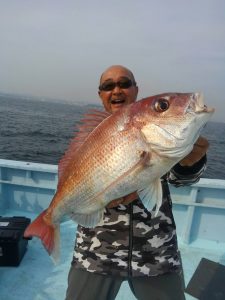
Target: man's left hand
<point x="198" y="151"/>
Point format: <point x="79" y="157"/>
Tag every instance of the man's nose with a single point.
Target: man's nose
<point x="116" y="90"/>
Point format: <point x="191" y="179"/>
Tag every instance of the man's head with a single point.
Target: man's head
<point x="117" y="88"/>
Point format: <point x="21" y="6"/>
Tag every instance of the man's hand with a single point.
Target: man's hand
<point x="198" y="151"/>
<point x="124" y="200"/>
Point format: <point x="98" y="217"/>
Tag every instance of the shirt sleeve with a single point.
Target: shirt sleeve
<point x="180" y="176"/>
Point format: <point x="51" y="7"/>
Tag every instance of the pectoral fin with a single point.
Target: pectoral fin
<point x="152" y="195"/>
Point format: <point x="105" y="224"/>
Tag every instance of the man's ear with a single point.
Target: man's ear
<point x="137" y="91"/>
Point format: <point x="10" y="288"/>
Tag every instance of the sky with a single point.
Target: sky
<point x="58" y="49"/>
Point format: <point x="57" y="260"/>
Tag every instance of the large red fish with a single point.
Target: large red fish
<point x="114" y="155"/>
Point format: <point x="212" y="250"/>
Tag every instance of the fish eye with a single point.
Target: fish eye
<point x="161" y="105"/>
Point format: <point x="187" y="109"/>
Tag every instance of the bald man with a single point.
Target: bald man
<point x="131" y="244"/>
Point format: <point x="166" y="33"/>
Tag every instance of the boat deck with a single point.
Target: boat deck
<point x="37" y="278"/>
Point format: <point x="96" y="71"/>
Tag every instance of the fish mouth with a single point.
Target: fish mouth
<point x="117" y="101"/>
<point x="197" y="105"/>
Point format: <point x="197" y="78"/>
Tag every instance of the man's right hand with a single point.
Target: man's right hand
<point x="123" y="200"/>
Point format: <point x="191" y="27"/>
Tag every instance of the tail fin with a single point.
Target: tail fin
<point x="49" y="235"/>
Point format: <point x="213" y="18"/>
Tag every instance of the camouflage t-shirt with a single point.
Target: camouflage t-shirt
<point x="131" y="241"/>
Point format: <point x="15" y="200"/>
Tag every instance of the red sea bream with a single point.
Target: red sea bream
<point x="114" y="155"/>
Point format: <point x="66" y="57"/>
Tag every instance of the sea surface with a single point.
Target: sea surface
<point x="40" y="131"/>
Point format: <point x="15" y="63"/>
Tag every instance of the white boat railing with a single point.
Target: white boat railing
<point x="199" y="210"/>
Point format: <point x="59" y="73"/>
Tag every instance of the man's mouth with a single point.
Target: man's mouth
<point x="117" y="101"/>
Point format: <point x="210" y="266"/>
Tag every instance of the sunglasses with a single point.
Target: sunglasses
<point x="110" y="85"/>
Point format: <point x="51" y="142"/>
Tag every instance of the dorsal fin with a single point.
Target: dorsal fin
<point x="88" y="123"/>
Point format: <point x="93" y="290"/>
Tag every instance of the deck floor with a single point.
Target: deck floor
<point x="37" y="278"/>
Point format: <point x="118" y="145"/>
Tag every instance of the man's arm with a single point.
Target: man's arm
<point x="190" y="168"/>
<point x="180" y="175"/>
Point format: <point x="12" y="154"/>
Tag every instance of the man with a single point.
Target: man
<point x="131" y="244"/>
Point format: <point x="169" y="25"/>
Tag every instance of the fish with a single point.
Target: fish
<point x="113" y="155"/>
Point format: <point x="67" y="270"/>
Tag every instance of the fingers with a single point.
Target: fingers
<point x="123" y="200"/>
<point x="202" y="143"/>
<point x="115" y="203"/>
<point x="130" y="198"/>
<point x="199" y="150"/>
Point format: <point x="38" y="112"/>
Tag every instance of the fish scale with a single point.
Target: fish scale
<point x="106" y="166"/>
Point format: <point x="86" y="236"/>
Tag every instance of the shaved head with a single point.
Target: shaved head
<point x="118" y="94"/>
<point x="114" y="68"/>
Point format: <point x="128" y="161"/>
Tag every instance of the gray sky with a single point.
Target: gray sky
<point x="58" y="49"/>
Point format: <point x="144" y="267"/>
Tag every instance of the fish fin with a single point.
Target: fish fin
<point x="89" y="122"/>
<point x="88" y="220"/>
<point x="152" y="195"/>
<point x="49" y="235"/>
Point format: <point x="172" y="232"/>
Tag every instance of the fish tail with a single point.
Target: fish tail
<point x="48" y="233"/>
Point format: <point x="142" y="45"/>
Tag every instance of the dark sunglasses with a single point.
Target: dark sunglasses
<point x="122" y="83"/>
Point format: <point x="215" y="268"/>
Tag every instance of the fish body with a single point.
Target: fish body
<point x="114" y="155"/>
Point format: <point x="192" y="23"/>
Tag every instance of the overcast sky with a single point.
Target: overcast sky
<point x="58" y="49"/>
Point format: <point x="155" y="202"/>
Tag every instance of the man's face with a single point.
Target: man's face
<point x="116" y="96"/>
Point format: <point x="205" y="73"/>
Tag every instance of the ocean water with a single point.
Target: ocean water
<point x="40" y="131"/>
